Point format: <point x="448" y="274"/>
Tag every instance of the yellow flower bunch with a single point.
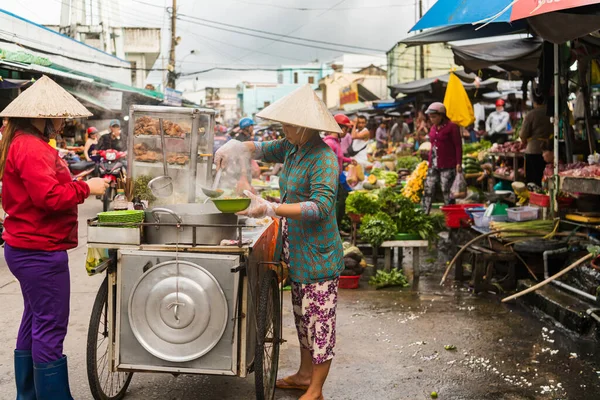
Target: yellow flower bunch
<point x="416" y="183"/>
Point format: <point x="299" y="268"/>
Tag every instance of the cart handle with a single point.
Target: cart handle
<point x="155" y="213"/>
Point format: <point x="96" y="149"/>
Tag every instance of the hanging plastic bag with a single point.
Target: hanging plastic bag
<point x="94" y="258"/>
<point x="458" y="106"/>
<point x="459" y="187"/>
<point x="595" y="73"/>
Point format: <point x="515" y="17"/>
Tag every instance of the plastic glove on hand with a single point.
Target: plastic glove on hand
<point x="230" y="150"/>
<point x="259" y="207"/>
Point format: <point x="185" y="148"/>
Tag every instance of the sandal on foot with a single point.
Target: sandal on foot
<point x="287" y="384"/>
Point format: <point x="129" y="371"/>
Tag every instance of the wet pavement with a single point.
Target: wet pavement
<point x="391" y="345"/>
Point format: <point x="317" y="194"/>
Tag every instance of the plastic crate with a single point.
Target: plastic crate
<point x="456" y="213"/>
<point x="523" y="213"/>
<point x="481" y="221"/>
<point x="541" y="200"/>
<point x="349" y="282"/>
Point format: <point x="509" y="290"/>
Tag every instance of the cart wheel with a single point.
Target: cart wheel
<point x="104" y="384"/>
<point x="268" y="320"/>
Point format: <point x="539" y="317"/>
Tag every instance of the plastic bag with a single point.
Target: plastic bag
<point x="459" y="187"/>
<point x="458" y="106"/>
<point x="94" y="258"/>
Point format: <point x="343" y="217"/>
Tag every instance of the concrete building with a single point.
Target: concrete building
<point x="403" y="63"/>
<point x="341" y="90"/>
<point x="224" y="100"/>
<point x="253" y="97"/>
<point x="141" y="46"/>
<point x="23" y="37"/>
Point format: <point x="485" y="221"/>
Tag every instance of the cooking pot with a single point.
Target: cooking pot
<point x="194" y="214"/>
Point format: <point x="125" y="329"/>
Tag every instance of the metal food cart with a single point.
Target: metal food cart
<point x="174" y="299"/>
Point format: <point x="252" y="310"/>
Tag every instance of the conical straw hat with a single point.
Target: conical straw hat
<point x="45" y="99"/>
<point x="301" y="108"/>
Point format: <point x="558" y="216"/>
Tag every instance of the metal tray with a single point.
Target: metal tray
<point x="109" y="234"/>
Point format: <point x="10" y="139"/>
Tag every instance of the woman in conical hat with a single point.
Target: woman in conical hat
<point x="312" y="246"/>
<point x="41" y="201"/>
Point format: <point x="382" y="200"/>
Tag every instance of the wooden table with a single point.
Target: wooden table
<point x="414" y="246"/>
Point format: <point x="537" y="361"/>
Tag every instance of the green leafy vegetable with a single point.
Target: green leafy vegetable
<point x="408" y="162"/>
<point x="361" y="203"/>
<point x="141" y="189"/>
<point x="387" y="279"/>
<point x="377" y="228"/>
<point x="477" y="146"/>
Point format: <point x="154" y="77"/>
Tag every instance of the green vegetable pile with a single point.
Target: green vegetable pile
<point x="477" y="146"/>
<point x="361" y="203"/>
<point x="387" y="213"/>
<point x="471" y="165"/>
<point x="141" y="189"/>
<point x="377" y="228"/>
<point x="409" y="163"/>
<point x="389" y="177"/>
<point x="384" y="279"/>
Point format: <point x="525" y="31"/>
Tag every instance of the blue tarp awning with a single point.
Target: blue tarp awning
<point x="464" y="12"/>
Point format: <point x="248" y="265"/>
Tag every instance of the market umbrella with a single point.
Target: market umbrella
<point x="466" y="12"/>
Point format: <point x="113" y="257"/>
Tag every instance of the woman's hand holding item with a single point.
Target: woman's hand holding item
<point x="259" y="207"/>
<point x="458" y="169"/>
<point x="230" y="150"/>
<point x="97" y="186"/>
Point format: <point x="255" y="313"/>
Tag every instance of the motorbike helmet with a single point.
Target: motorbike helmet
<point x="342" y="119"/>
<point x="92" y="129"/>
<point x="246" y="122"/>
<point x="499" y="103"/>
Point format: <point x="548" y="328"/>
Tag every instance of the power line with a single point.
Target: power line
<point x="298" y="28"/>
<point x="282" y="35"/>
<point x="271" y="39"/>
<point x="318" y="9"/>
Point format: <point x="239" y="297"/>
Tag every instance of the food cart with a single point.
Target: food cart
<point x="175" y="299"/>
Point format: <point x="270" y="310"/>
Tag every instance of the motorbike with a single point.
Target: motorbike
<point x="113" y="168"/>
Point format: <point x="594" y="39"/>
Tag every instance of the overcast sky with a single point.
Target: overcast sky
<point x="375" y="25"/>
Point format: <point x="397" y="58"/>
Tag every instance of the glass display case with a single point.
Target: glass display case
<point x="188" y="138"/>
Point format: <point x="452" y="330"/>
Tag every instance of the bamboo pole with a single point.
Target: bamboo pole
<point x="550" y="279"/>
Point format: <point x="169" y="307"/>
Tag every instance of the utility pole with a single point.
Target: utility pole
<point x="421" y="48"/>
<point x="172" y="75"/>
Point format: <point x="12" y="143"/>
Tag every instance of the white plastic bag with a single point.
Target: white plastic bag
<point x="459" y="187"/>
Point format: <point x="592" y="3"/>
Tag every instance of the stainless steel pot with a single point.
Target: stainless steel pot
<point x="195" y="214"/>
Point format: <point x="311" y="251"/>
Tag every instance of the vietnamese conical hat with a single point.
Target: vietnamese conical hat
<point x="301" y="108"/>
<point x="45" y="99"/>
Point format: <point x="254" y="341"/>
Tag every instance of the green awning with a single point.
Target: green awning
<point x="87" y="98"/>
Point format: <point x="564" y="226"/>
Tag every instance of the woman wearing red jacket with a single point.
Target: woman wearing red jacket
<point x="41" y="199"/>
<point x="445" y="156"/>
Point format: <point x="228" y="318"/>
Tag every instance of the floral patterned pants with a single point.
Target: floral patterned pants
<point x="314" y="307"/>
<point x="445" y="177"/>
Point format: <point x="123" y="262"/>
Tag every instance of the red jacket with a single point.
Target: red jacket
<point x="449" y="145"/>
<point x="39" y="196"/>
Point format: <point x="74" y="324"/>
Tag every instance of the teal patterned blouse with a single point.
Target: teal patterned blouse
<point x="310" y="177"/>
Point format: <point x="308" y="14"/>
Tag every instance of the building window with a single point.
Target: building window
<point x="295" y="77"/>
<point x="311" y="80"/>
<point x="133" y="73"/>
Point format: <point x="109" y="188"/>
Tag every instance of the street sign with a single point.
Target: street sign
<point x="173" y="97"/>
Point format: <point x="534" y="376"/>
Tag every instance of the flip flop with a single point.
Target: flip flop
<point x="286" y="384"/>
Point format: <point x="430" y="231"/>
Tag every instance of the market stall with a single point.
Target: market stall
<point x="190" y="287"/>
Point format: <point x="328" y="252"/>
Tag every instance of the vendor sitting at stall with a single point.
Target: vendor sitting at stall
<point x="497" y="123"/>
<point x="535" y="132"/>
<point x="312" y="246"/>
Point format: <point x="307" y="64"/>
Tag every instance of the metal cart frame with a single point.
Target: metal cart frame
<point x="257" y="316"/>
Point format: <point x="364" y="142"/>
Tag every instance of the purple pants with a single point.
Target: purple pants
<point x="46" y="287"/>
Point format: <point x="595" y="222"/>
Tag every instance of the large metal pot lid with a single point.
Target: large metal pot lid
<point x="178" y="326"/>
